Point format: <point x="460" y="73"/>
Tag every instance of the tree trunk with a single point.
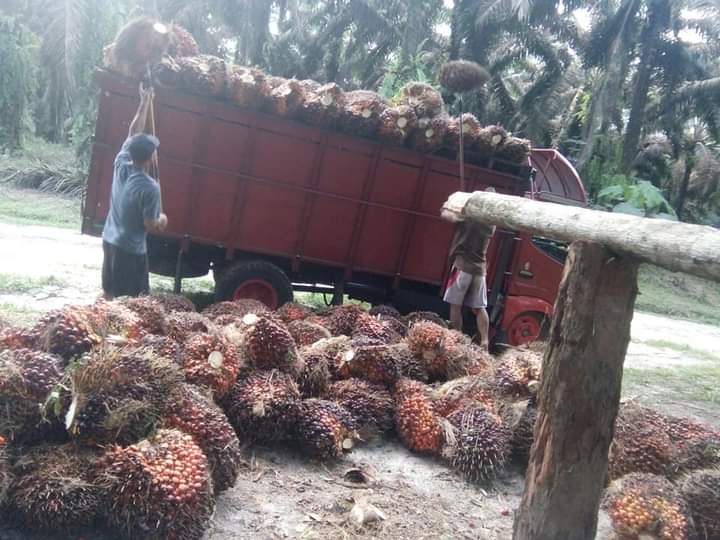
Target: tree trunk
<point x="637" y="109"/>
<point x="682" y="191"/>
<point x="694" y="249"/>
<point x="579" y="396"/>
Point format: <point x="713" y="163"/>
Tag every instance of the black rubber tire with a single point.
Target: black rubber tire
<point x="234" y="275"/>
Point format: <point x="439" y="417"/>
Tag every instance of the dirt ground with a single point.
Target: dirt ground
<point x="280" y="495"/>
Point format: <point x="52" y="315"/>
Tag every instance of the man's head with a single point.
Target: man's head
<point x="141" y="148"/>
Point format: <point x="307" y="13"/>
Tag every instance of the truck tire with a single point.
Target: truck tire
<point x="527" y="328"/>
<point x="259" y="280"/>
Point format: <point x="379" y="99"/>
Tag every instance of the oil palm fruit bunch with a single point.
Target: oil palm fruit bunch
<point x="323" y="106"/>
<point x="371" y="405"/>
<point x="247" y="87"/>
<point x="697" y="446"/>
<point x="16" y="337"/>
<point x="54" y="487"/>
<point x="115" y="322"/>
<point x="418" y="316"/>
<point x="203" y="74"/>
<point x="460" y="76"/>
<point x="323" y="429"/>
<point x="291" y="311"/>
<point x="478" y="445"/>
<point x="236" y="308"/>
<point x="286" y="98"/>
<point x="150" y="312"/>
<point x="361" y="114"/>
<point x="27" y="379"/>
<point x="701" y="491"/>
<point x="516" y="370"/>
<point x="641" y="442"/>
<point x="490" y="139"/>
<point x="189" y="410"/>
<point x="396" y="123"/>
<point x="159" y="488"/>
<point x="342" y="319"/>
<point x="316" y="374"/>
<point x="463" y="359"/>
<point x="384" y="310"/>
<point x="164" y="346"/>
<point x="306" y="333"/>
<point x="210" y="360"/>
<point x="258" y="406"/>
<point x="514" y="150"/>
<point x="372" y="327"/>
<point x="416" y="422"/>
<point x="5" y="472"/>
<point x="182" y="324"/>
<point x="332" y="351"/>
<point x="523" y="430"/>
<point x="648" y="506"/>
<point x="117" y="394"/>
<point x="457" y="393"/>
<point x="374" y="363"/>
<point x="426" y="340"/>
<point x="174" y="302"/>
<point x="429" y="134"/>
<point x="409" y="366"/>
<point x="66" y="332"/>
<point x="182" y="42"/>
<point x="470" y="130"/>
<point x="269" y="345"/>
<point x="425" y="101"/>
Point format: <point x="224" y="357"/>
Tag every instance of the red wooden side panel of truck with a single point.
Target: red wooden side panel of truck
<point x="251" y="184"/>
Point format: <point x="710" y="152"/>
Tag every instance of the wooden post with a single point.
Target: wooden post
<point x="694" y="249"/>
<point x="579" y="396"/>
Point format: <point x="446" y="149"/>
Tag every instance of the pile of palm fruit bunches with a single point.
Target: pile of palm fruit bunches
<point x="416" y="119"/>
<point x="132" y="414"/>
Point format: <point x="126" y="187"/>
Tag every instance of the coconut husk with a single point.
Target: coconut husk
<point x="396" y="123"/>
<point x="323" y="107"/>
<point x="514" y="150"/>
<point x="425" y="101"/>
<point x="287" y="98"/>
<point x="361" y="114"/>
<point x="203" y="74"/>
<point x="429" y="134"/>
<point x="471" y="131"/>
<point x="182" y="42"/>
<point x="461" y="76"/>
<point x="140" y="42"/>
<point x="247" y="87"/>
<point x="489" y="140"/>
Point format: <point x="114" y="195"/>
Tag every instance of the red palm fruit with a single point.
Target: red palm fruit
<point x="163" y="346"/>
<point x="383" y="310"/>
<point x="159" y="488"/>
<point x="424" y="316"/>
<point x="210" y="360"/>
<point x="374" y="363"/>
<point x="66" y="333"/>
<point x="323" y="429"/>
<point x="292" y="311"/>
<point x="517" y="370"/>
<point x="426" y="340"/>
<point x="371" y="405"/>
<point x="341" y="320"/>
<point x="54" y="488"/>
<point x="306" y="333"/>
<point x="236" y="308"/>
<point x="648" y="506"/>
<point x="190" y="411"/>
<point x="113" y="321"/>
<point x="408" y="364"/>
<point x="479" y="445"/>
<point x="174" y="302"/>
<point x="15" y="337"/>
<point x="151" y="313"/>
<point x="372" y="327"/>
<point x="269" y="345"/>
<point x="258" y="406"/>
<point x="316" y="375"/>
<point x="415" y="420"/>
<point x="182" y="324"/>
<point x="455" y="394"/>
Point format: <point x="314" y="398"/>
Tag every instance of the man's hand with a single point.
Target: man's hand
<point x="146" y="94"/>
<point x="156" y="225"/>
<point x="162" y="222"/>
<point x="146" y="97"/>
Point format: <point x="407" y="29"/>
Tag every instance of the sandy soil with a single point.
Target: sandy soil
<point x="280" y="495"/>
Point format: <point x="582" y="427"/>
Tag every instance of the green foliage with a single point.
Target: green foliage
<point x="18" y="48"/>
<point x="399" y="73"/>
<point x="636" y="197"/>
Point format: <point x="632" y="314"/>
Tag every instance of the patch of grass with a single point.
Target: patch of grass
<point x="18" y="315"/>
<point x="700" y="354"/>
<point x="678" y="295"/>
<point x="201" y="291"/>
<point x="31" y="207"/>
<point x="17" y="284"/>
<point x="698" y="382"/>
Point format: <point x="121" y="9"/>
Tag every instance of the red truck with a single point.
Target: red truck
<point x="271" y="205"/>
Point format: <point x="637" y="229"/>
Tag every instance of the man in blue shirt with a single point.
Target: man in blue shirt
<point x="134" y="210"/>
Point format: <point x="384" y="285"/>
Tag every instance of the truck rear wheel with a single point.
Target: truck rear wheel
<point x="258" y="280"/>
<point x="527" y="328"/>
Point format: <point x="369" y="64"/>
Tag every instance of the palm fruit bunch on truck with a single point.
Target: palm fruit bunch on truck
<point x="416" y="118"/>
